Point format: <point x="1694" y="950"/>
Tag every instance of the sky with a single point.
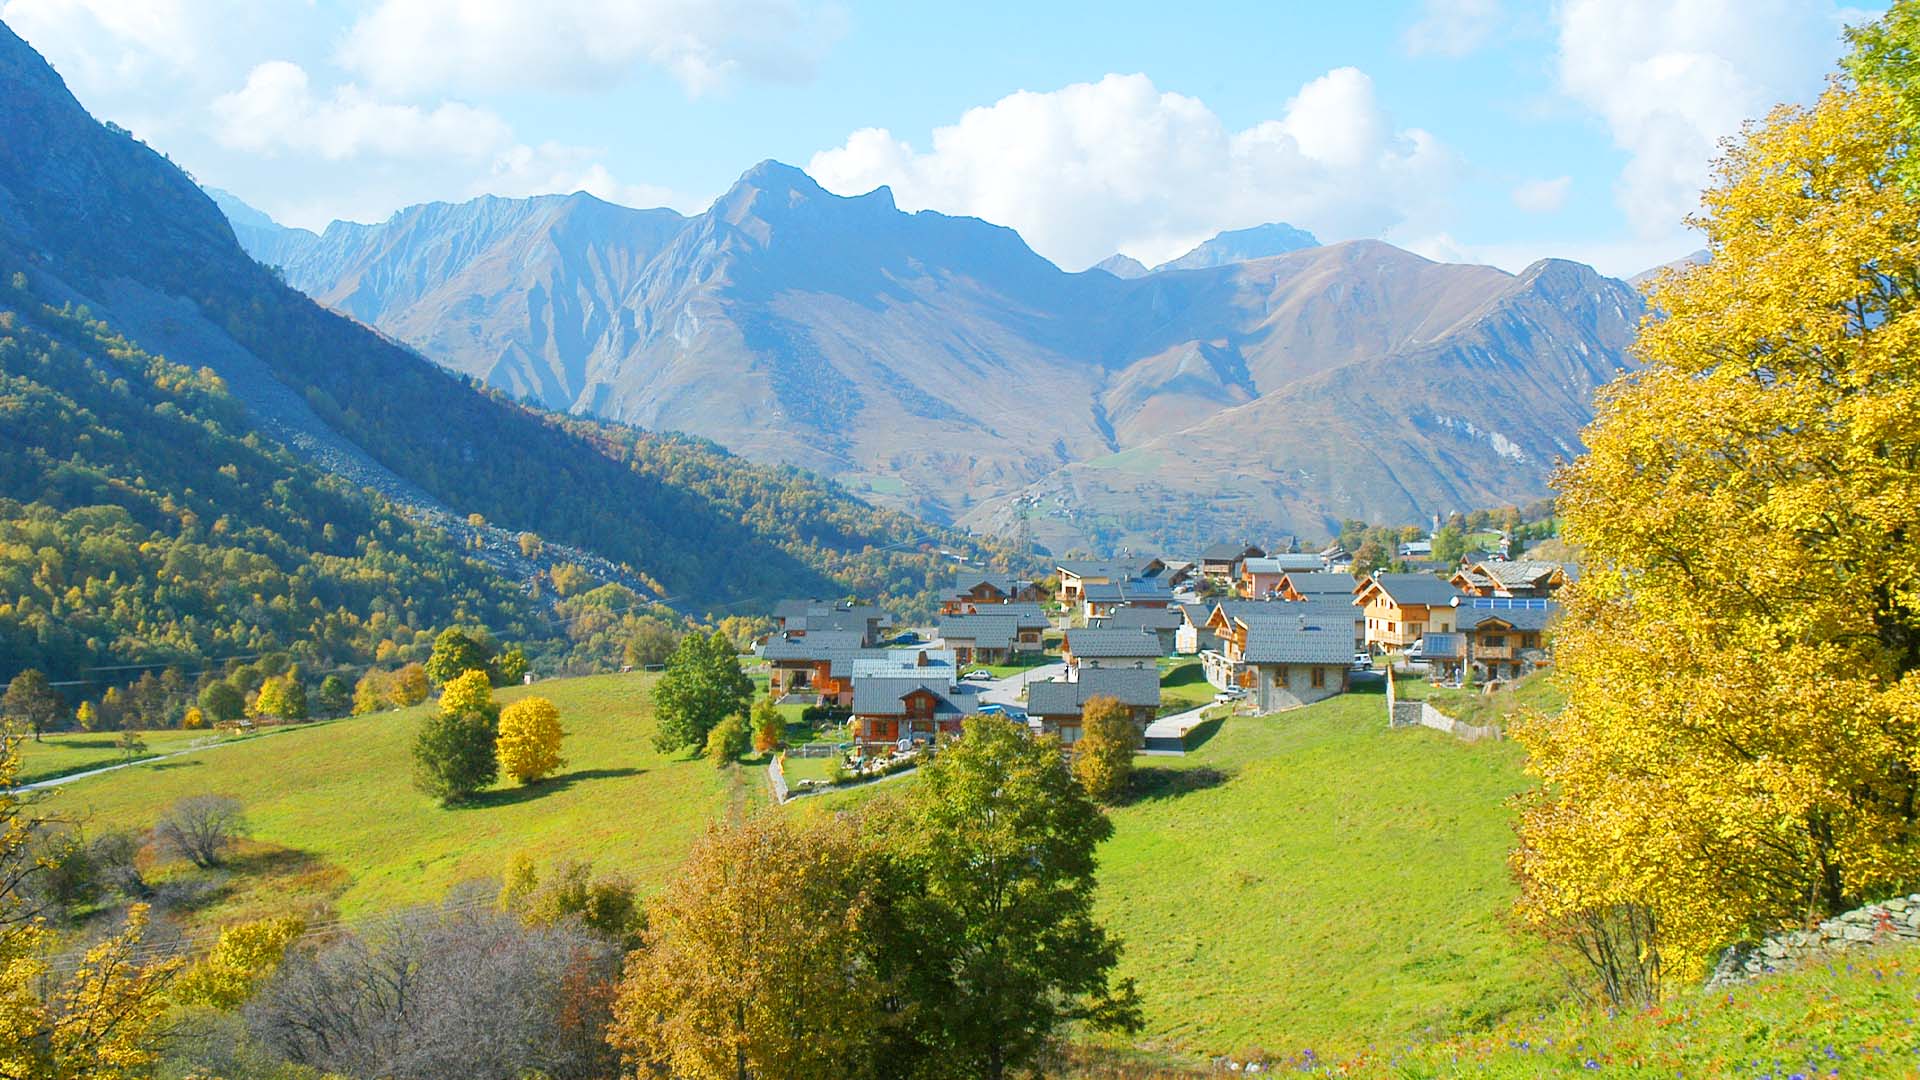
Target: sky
<point x="1495" y="131"/>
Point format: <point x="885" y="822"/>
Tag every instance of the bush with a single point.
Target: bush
<point x="454" y="755"/>
<point x="727" y="741"/>
<point x="200" y="828"/>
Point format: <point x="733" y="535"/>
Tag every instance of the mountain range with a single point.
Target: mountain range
<point x="95" y="226"/>
<point x="1261" y="383"/>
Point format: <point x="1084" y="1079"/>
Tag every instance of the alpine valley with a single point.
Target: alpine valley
<point x="937" y="364"/>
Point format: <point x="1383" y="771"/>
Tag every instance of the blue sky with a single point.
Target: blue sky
<point x="1477" y="130"/>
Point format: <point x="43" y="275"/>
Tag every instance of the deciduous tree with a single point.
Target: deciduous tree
<point x="333" y="698"/>
<point x="370" y="693"/>
<point x="1103" y="758"/>
<point x="757" y="961"/>
<point x="1001" y="848"/>
<point x="453" y="753"/>
<point x="223" y="702"/>
<point x="32" y="702"/>
<point x="409" y="685"/>
<point x="702" y="686"/>
<point x="454" y="654"/>
<point x="529" y="742"/>
<point x="769" y="727"/>
<point x="1742" y="651"/>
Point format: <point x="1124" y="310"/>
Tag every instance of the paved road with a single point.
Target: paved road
<point x="1168" y="732"/>
<point x="1007" y="691"/>
<point x="41" y="785"/>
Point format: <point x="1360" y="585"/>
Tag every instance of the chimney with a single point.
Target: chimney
<point x="921" y="661"/>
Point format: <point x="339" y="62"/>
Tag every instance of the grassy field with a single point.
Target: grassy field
<point x="1183" y="685"/>
<point x="1856" y="1016"/>
<point x="1313" y="880"/>
<point x="70" y="752"/>
<point x="337" y="796"/>
<point x="1471" y="706"/>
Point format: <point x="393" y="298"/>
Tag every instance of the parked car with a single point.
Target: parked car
<point x="978" y="673"/>
<point x="1362" y="661"/>
<point x="1232" y="693"/>
<point x="1416" y="650"/>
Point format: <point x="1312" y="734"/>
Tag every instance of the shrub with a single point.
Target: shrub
<point x="200" y="828"/>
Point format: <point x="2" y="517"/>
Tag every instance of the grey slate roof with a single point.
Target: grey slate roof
<point x="870" y="662"/>
<point x="1226" y="552"/>
<point x="1026" y="612"/>
<point x="1106" y="643"/>
<point x="1282" y="564"/>
<point x="1008" y="584"/>
<point x="1135" y="687"/>
<point x="1281" y="641"/>
<point x="1322" y="583"/>
<point x="814" y="645"/>
<point x="1517" y="572"/>
<point x="985" y="631"/>
<point x="882" y="696"/>
<point x="1113" y="592"/>
<point x="1145" y="618"/>
<point x="1417" y="589"/>
<point x="1526" y="618"/>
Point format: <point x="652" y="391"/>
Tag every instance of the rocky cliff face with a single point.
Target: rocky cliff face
<point x="937" y="363"/>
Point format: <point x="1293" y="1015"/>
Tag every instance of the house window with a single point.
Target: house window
<point x="1494" y="641"/>
<point x="1319" y="678"/>
<point x="1280" y="677"/>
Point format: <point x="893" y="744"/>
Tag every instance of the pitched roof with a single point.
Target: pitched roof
<point x="1518" y="572"/>
<point x="1416" y="588"/>
<point x="1145" y="618"/>
<point x="813" y="645"/>
<point x="1115" y="643"/>
<point x="1282" y="564"/>
<point x="985" y="631"/>
<point x="1128" y="589"/>
<point x="1028" y="613"/>
<point x="939" y="663"/>
<point x="1008" y="584"/>
<point x="1322" y="583"/>
<point x="1520" y="618"/>
<point x="1226" y="551"/>
<point x="883" y="695"/>
<point x="1134" y="687"/>
<point x="1282" y="641"/>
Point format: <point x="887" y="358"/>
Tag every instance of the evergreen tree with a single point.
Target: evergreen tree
<point x="454" y="754"/>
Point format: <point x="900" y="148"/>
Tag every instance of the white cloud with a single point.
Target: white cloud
<point x="1121" y="165"/>
<point x="1673" y="77"/>
<point x="555" y="167"/>
<point x="411" y="46"/>
<point x="1542" y="196"/>
<point x="277" y="109"/>
<point x="1452" y="27"/>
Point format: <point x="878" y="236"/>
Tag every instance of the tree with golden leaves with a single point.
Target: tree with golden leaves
<point x="755" y="960"/>
<point x="1740" y="750"/>
<point x="409" y="686"/>
<point x="529" y="742"/>
<point x="1103" y="758"/>
<point x="100" y="1019"/>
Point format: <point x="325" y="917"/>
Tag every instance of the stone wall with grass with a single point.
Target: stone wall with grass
<point x="1895" y="920"/>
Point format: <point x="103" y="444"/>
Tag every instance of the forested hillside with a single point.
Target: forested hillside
<point x="90" y="216"/>
<point x="142" y="522"/>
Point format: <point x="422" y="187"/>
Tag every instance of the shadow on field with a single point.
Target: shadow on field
<point x="1199" y="734"/>
<point x="176" y="763"/>
<point x="519" y="793"/>
<point x="1156" y="782"/>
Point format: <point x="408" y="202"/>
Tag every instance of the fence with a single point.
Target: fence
<point x="1420" y="713"/>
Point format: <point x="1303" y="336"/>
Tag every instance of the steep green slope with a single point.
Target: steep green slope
<point x="142" y="521"/>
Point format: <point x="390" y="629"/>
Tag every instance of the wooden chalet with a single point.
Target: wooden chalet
<point x="1060" y="704"/>
<point x="1519" y="578"/>
<point x="1400" y="608"/>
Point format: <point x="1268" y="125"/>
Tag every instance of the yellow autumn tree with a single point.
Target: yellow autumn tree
<point x="409" y="685"/>
<point x="99" y="1019"/>
<point x="529" y="741"/>
<point x="1741" y="744"/>
<point x="753" y="962"/>
<point x="1103" y="758"/>
<point x="240" y="960"/>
